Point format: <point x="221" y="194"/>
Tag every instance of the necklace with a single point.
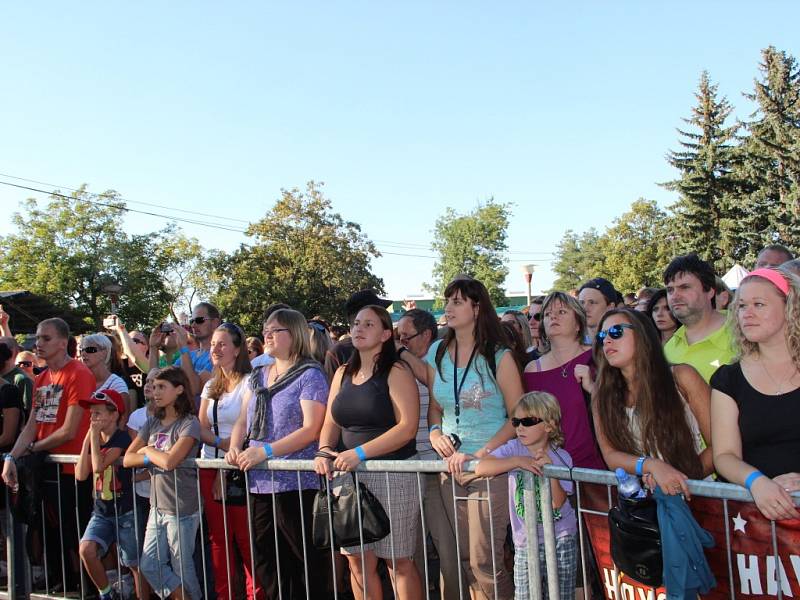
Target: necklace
<point x="778" y="386"/>
<point x="563" y="368"/>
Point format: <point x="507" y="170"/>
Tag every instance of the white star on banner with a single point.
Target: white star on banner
<point x="739" y="523"/>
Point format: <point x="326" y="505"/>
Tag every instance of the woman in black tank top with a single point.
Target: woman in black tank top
<point x="373" y="413"/>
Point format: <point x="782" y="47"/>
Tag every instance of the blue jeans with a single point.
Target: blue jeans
<point x="104" y="531"/>
<point x="167" y="556"/>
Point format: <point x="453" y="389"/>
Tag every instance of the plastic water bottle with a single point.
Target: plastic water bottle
<point x="628" y="486"/>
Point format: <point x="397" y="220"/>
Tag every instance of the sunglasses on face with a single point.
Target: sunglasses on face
<point x="404" y="339"/>
<point x="90" y="350"/>
<point x="614" y="332"/>
<point x="26" y="364"/>
<point x="526" y="421"/>
<point x="139" y="341"/>
<point x="197" y="320"/>
<point x="536" y="316"/>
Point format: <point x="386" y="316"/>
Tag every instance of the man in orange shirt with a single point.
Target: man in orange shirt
<point x="57" y="425"/>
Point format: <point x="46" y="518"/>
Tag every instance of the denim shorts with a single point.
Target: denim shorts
<point x="103" y="532"/>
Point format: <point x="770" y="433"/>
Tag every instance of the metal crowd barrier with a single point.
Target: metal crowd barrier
<point x="725" y="492"/>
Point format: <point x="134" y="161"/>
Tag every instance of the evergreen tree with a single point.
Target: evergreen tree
<point x="705" y="162"/>
<point x="773" y="149"/>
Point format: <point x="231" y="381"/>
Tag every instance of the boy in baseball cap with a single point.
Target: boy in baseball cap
<point x="113" y="513"/>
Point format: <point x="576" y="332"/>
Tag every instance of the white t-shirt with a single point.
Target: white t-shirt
<point x="114" y="382"/>
<point x="228" y="409"/>
<point x="135" y="422"/>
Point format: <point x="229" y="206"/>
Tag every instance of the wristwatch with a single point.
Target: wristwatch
<point x="400" y="350"/>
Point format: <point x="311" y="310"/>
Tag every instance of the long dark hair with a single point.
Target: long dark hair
<point x="516" y="344"/>
<point x="241" y="367"/>
<point x="184" y="404"/>
<point x="388" y="353"/>
<point x="658" y="405"/>
<point x="657" y="296"/>
<point x="489" y="334"/>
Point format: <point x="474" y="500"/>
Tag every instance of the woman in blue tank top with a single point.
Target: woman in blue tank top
<point x="474" y="383"/>
<point x="373" y="413"/>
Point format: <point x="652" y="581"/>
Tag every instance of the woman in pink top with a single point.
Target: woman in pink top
<point x="563" y="370"/>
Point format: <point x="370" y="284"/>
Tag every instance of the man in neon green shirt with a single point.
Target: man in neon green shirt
<point x="703" y="340"/>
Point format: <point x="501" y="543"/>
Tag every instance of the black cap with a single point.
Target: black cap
<point x="364" y="298"/>
<point x="605" y="287"/>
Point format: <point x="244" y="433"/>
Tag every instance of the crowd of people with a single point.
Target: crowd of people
<point x="689" y="381"/>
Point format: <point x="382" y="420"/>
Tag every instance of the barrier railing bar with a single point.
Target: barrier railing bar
<point x="303" y="532"/>
<point x="458" y="543"/>
<point x="532" y="536"/>
<point x="549" y="534"/>
<point x="728" y="548"/>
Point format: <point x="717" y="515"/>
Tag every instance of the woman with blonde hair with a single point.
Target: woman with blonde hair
<point x="96" y="352"/>
<point x="754" y="402"/>
<point x="564" y="371"/>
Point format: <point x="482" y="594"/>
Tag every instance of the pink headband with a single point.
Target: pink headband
<point x="774" y="277"/>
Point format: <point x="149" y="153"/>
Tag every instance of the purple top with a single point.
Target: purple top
<point x="578" y="438"/>
<point x="285" y="416"/>
<point x="563" y="519"/>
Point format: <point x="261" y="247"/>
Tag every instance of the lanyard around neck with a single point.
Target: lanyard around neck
<point x="458" y="385"/>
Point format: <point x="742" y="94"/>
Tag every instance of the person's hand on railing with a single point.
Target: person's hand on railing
<point x="232" y="456"/>
<point x="346" y="461"/>
<point x="323" y="463"/>
<point x="455" y="462"/>
<point x="772" y="500"/>
<point x="788" y="481"/>
<point x="250" y="457"/>
<point x="671" y="481"/>
<point x="10" y="475"/>
<point x="442" y="444"/>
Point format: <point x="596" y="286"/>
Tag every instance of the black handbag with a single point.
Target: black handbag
<point x="26" y="502"/>
<point x="343" y="516"/>
<point x="636" y="540"/>
<point x="235" y="484"/>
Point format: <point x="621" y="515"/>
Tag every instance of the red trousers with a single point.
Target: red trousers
<point x="235" y="518"/>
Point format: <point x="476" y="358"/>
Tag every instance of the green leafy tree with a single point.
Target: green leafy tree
<point x="637" y="247"/>
<point x="71" y="248"/>
<point x="579" y="257"/>
<point x="304" y="255"/>
<point x="773" y="151"/>
<point x="189" y="269"/>
<point x="472" y="244"/>
<point x="705" y="162"/>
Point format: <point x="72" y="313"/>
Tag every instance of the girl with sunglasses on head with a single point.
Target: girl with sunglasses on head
<point x="564" y="371"/>
<point x="537" y="420"/>
<point x="755" y="402"/>
<point x="220" y="406"/>
<point x="651" y="418"/>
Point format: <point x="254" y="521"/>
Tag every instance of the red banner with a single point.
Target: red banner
<point x="754" y="571"/>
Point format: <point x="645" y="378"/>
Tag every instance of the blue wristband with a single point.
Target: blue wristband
<point x="360" y="453"/>
<point x="640" y="465"/>
<point x="433" y="428"/>
<point x="268" y="451"/>
<point x="217" y="441"/>
<point x="146" y="460"/>
<point x="748" y="483"/>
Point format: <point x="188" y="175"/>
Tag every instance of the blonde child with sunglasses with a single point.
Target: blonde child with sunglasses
<point x="537" y="419"/>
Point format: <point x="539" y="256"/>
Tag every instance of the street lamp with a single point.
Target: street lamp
<point x="527" y="270"/>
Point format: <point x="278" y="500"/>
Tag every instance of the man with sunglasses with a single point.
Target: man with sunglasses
<point x="703" y="340"/>
<point x="13" y="374"/>
<point x="57" y="425"/>
<point x="196" y="364"/>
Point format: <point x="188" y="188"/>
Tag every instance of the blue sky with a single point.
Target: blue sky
<point x="401" y="109"/>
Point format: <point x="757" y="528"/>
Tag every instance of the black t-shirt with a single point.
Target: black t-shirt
<point x="115" y="481"/>
<point x="134" y="379"/>
<point x="365" y="412"/>
<point x="769" y="425"/>
<point x="10" y="397"/>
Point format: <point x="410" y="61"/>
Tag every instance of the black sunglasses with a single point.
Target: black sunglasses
<point x="536" y="316"/>
<point x="90" y="349"/>
<point x="25" y="363"/>
<point x="526" y="421"/>
<point x="198" y="320"/>
<point x="614" y="332"/>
